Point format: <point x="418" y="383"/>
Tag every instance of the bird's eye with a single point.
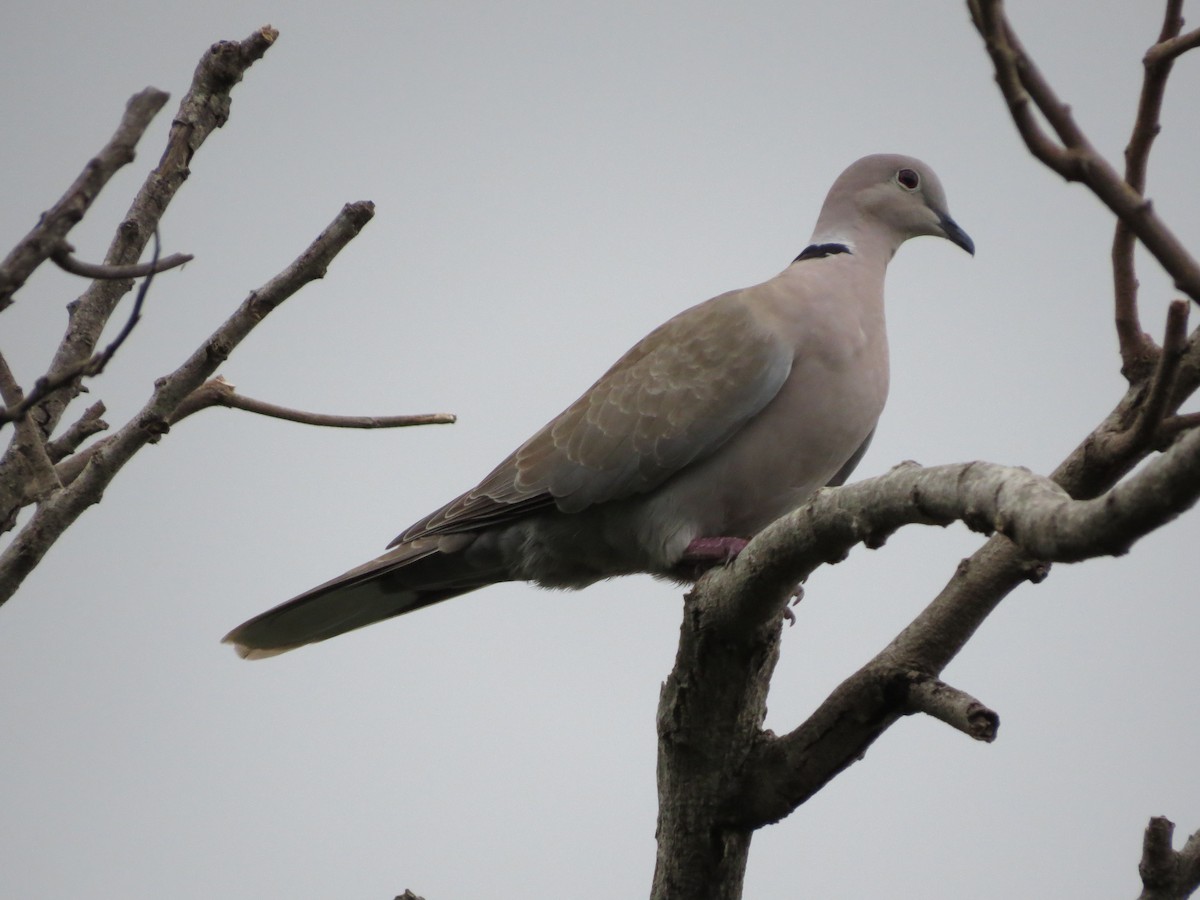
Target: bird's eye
<point x="909" y="179"/>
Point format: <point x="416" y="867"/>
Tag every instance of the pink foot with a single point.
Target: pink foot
<point x="714" y="550"/>
<point x="703" y="554"/>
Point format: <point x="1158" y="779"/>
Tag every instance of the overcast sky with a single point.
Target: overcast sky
<point x="551" y="181"/>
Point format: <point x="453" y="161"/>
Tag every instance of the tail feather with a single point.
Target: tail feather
<point x="402" y="580"/>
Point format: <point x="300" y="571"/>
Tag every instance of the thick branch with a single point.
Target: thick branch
<point x="1035" y="514"/>
<point x="58" y="512"/>
<point x="1030" y="510"/>
<point x="54" y="225"/>
<point x="1168" y="874"/>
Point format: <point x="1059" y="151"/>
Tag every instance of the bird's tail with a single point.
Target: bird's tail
<point x="404" y="579"/>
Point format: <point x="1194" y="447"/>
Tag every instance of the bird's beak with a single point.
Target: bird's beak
<point x="956" y="235"/>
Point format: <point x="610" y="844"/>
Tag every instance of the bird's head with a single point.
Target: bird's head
<point x="896" y="197"/>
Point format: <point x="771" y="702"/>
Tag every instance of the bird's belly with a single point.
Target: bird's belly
<point x="772" y="465"/>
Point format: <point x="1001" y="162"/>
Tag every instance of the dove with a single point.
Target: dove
<point x="719" y="421"/>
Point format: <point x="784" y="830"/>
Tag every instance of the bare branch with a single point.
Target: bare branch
<point x="1075" y="159"/>
<point x="105" y="458"/>
<point x="1010" y="64"/>
<point x="88" y="424"/>
<point x="954" y="707"/>
<point x="1030" y="510"/>
<point x="1162" y="385"/>
<point x="1167" y="874"/>
<point x="50" y="232"/>
<point x="1137" y="350"/>
<point x="742" y="602"/>
<point x="219" y="392"/>
<point x="64" y="260"/>
<point x="1172" y="48"/>
<point x="203" y="109"/>
<point x="94" y="365"/>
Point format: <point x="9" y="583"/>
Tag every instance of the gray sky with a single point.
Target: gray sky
<point x="552" y="180"/>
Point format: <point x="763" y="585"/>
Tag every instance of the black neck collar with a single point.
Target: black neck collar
<point x="817" y="251"/>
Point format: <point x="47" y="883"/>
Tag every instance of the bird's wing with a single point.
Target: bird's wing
<point x="673" y="399"/>
<point x="852" y="463"/>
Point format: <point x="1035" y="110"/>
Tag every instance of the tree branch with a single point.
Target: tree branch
<point x="64" y="260"/>
<point x="203" y="109"/>
<point x="57" y="512"/>
<point x="1137" y="350"/>
<point x="88" y="424"/>
<point x="1168" y="874"/>
<point x="1031" y="511"/>
<point x="956" y="708"/>
<point x="739" y="601"/>
<point x="219" y="392"/>
<point x="1075" y="159"/>
<point x="94" y="365"/>
<point x="51" y="231"/>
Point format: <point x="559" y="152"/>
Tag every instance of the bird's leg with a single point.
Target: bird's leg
<point x="714" y="550"/>
<point x="703" y="554"/>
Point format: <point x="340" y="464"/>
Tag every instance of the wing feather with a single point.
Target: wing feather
<point x="673" y="399"/>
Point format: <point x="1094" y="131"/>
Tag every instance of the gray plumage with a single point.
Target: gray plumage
<point x="718" y="422"/>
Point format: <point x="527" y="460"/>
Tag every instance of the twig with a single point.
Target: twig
<point x="204" y="108"/>
<point x="956" y="708"/>
<point x="1075" y="159"/>
<point x="93" y="365"/>
<point x="64" y="260"/>
<point x="68" y="442"/>
<point x="219" y="392"/>
<point x="1162" y="384"/>
<point x="1174" y="47"/>
<point x="105" y="458"/>
<point x="50" y="232"/>
<point x="1137" y="349"/>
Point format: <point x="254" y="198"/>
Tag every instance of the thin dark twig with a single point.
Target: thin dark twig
<point x="93" y="365"/>
<point x="1153" y="409"/>
<point x="64" y="260"/>
<point x="108" y="456"/>
<point x="96" y="366"/>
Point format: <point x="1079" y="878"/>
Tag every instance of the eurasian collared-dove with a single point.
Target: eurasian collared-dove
<point x="715" y="424"/>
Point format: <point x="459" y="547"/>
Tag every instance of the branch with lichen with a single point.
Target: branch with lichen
<point x="721" y="775"/>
